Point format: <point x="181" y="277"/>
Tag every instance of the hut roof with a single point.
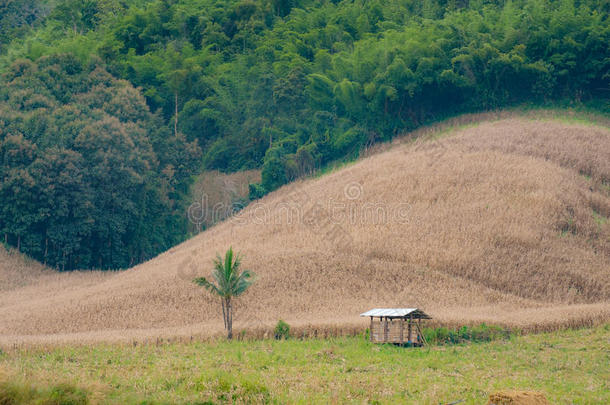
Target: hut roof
<point x="397" y="313"/>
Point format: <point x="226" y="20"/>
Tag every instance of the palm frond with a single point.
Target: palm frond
<point x="244" y="280"/>
<point x="228" y="264"/>
<point x="202" y="281"/>
<point x="230" y="281"/>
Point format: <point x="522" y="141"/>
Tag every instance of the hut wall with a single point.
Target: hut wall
<point x="394" y="334"/>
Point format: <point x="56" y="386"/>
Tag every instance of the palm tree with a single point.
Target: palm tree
<point x="230" y="282"/>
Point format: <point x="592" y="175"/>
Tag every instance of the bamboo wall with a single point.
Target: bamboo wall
<point x="397" y="331"/>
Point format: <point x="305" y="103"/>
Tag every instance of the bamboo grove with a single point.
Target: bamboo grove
<point x="109" y="108"/>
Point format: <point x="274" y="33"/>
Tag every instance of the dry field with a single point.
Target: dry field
<point x="504" y="222"/>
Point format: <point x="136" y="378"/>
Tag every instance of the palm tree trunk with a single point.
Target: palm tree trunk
<point x="224" y="312"/>
<point x="229" y="320"/>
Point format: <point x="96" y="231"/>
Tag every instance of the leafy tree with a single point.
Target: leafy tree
<point x="89" y="177"/>
<point x="230" y="282"/>
<point x="78" y="15"/>
<point x="17" y="17"/>
<point x="281" y="85"/>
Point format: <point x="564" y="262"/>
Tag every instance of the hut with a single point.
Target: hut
<point x="397" y="325"/>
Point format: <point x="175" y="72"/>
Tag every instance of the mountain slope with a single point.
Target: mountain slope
<point x="504" y="222"/>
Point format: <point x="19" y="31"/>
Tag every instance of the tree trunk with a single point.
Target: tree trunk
<point x="229" y="320"/>
<point x="176" y="112"/>
<point x="224" y="312"/>
<point x="46" y="250"/>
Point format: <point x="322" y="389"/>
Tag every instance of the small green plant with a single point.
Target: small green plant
<point x="282" y="330"/>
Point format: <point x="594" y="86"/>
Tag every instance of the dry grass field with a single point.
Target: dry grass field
<point x="504" y="221"/>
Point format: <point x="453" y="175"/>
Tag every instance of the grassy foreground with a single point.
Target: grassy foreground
<point x="568" y="366"/>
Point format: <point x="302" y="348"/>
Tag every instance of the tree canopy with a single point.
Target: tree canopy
<point x="89" y="177"/>
<point x="283" y="85"/>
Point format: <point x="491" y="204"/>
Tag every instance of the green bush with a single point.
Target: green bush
<point x="282" y="330"/>
<point x="256" y="191"/>
<point x="479" y="333"/>
<point x="274" y="172"/>
<point x="349" y="141"/>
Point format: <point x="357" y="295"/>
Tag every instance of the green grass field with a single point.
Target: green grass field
<point x="569" y="366"/>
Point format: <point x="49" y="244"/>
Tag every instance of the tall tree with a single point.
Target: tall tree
<point x="89" y="178"/>
<point x="231" y="282"/>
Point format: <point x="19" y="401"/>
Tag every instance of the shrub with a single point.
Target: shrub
<point x="273" y="173"/>
<point x="282" y="330"/>
<point x="479" y="333"/>
<point x="256" y="191"/>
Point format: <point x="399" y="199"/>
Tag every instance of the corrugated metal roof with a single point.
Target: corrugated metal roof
<point x="396" y="312"/>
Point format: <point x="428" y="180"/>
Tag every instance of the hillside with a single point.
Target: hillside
<point x="109" y="109"/>
<point x="504" y="222"/>
<point x="216" y="195"/>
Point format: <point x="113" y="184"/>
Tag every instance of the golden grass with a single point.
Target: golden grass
<point x="504" y="222"/>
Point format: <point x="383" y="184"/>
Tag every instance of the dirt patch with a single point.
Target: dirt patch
<point x="517" y="398"/>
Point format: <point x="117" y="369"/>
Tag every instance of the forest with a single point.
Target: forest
<point x="110" y="108"/>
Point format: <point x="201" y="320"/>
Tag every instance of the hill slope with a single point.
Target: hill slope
<point x="504" y="222"/>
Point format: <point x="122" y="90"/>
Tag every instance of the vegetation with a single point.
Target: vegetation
<point x="60" y="394"/>
<point x="231" y="282"/>
<point x="570" y="366"/>
<point x="286" y="86"/>
<point x="17" y="17"/>
<point x="89" y="177"/>
<point x="479" y="333"/>
<point x="282" y="330"/>
<point x="475" y="244"/>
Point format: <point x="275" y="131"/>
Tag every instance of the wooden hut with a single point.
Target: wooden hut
<point x="397" y="325"/>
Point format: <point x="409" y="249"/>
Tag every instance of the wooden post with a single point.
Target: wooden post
<point x="409" y="339"/>
<point x="423" y="339"/>
<point x="402" y="327"/>
<point x="385" y="329"/>
<point x="371" y="329"/>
